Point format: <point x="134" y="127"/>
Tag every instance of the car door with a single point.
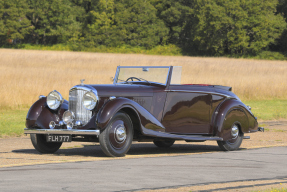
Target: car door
<point x="187" y="111"/>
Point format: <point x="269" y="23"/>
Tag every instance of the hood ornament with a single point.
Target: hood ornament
<point x="82" y="81"/>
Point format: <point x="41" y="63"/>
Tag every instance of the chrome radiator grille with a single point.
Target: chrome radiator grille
<point x="76" y="106"/>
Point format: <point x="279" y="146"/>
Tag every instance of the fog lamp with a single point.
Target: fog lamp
<point x="69" y="125"/>
<point x="68" y="117"/>
<point x="78" y="123"/>
<point x="52" y="124"/>
<point x="61" y="123"/>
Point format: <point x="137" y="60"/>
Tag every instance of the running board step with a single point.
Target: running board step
<point x="246" y="137"/>
<point x="153" y="133"/>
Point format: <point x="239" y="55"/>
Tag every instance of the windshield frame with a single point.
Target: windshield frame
<point x="149" y="82"/>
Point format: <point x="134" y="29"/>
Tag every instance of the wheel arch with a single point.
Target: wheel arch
<point x="140" y="116"/>
<point x="39" y="115"/>
<point x="231" y="112"/>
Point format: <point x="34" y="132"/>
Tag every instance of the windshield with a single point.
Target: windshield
<point x="126" y="75"/>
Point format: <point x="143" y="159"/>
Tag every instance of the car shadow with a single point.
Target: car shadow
<point x="137" y="149"/>
<point x="151" y="149"/>
<point x="82" y="150"/>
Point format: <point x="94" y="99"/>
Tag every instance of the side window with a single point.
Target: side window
<point x="176" y="75"/>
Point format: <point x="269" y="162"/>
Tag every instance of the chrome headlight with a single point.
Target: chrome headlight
<point x="90" y="100"/>
<point x="54" y="100"/>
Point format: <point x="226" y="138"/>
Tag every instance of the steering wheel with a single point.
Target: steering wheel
<point x="132" y="78"/>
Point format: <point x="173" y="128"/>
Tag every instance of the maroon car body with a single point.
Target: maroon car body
<point x="143" y="111"/>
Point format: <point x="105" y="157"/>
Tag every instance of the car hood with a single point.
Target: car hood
<point x="131" y="90"/>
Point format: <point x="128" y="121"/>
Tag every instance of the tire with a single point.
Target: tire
<point x="117" y="137"/>
<point x="40" y="144"/>
<point x="164" y="143"/>
<point x="232" y="144"/>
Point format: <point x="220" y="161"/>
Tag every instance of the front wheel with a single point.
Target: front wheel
<point x="40" y="144"/>
<point x="234" y="143"/>
<point x="117" y="137"/>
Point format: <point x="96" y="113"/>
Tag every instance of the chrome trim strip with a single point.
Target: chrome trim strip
<point x="167" y="76"/>
<point x="214" y="93"/>
<point x="116" y="75"/>
<point x="62" y="131"/>
<point x="112" y="97"/>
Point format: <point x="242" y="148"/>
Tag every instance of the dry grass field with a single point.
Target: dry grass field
<point x="26" y="74"/>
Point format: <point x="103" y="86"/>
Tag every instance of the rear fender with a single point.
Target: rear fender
<point x="111" y="107"/>
<point x="231" y="112"/>
<point x="40" y="115"/>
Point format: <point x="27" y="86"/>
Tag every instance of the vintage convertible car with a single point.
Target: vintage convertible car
<point x="143" y="104"/>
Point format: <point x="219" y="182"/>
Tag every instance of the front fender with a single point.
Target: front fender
<point x="40" y="115"/>
<point x="233" y="111"/>
<point x="110" y="108"/>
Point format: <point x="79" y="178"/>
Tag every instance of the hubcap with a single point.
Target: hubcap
<point x="234" y="131"/>
<point x="120" y="134"/>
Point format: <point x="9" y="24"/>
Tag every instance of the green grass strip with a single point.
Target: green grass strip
<point x="268" y="109"/>
<point x="12" y="122"/>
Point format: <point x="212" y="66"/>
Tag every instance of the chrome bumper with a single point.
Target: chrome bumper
<point x="62" y="131"/>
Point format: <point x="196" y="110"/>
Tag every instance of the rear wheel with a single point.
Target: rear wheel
<point x="117" y="137"/>
<point x="234" y="143"/>
<point x="165" y="143"/>
<point x="40" y="144"/>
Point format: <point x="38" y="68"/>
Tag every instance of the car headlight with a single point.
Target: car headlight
<point x="90" y="100"/>
<point x="54" y="100"/>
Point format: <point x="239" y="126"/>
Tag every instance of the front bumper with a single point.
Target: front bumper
<point x="62" y="131"/>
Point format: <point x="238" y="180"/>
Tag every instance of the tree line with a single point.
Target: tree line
<point x="199" y="27"/>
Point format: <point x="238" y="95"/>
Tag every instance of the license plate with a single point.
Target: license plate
<point x="59" y="138"/>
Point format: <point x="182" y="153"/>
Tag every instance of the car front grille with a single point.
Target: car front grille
<point x="76" y="106"/>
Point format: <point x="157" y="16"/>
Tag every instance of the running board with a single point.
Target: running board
<point x="246" y="137"/>
<point x="153" y="133"/>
